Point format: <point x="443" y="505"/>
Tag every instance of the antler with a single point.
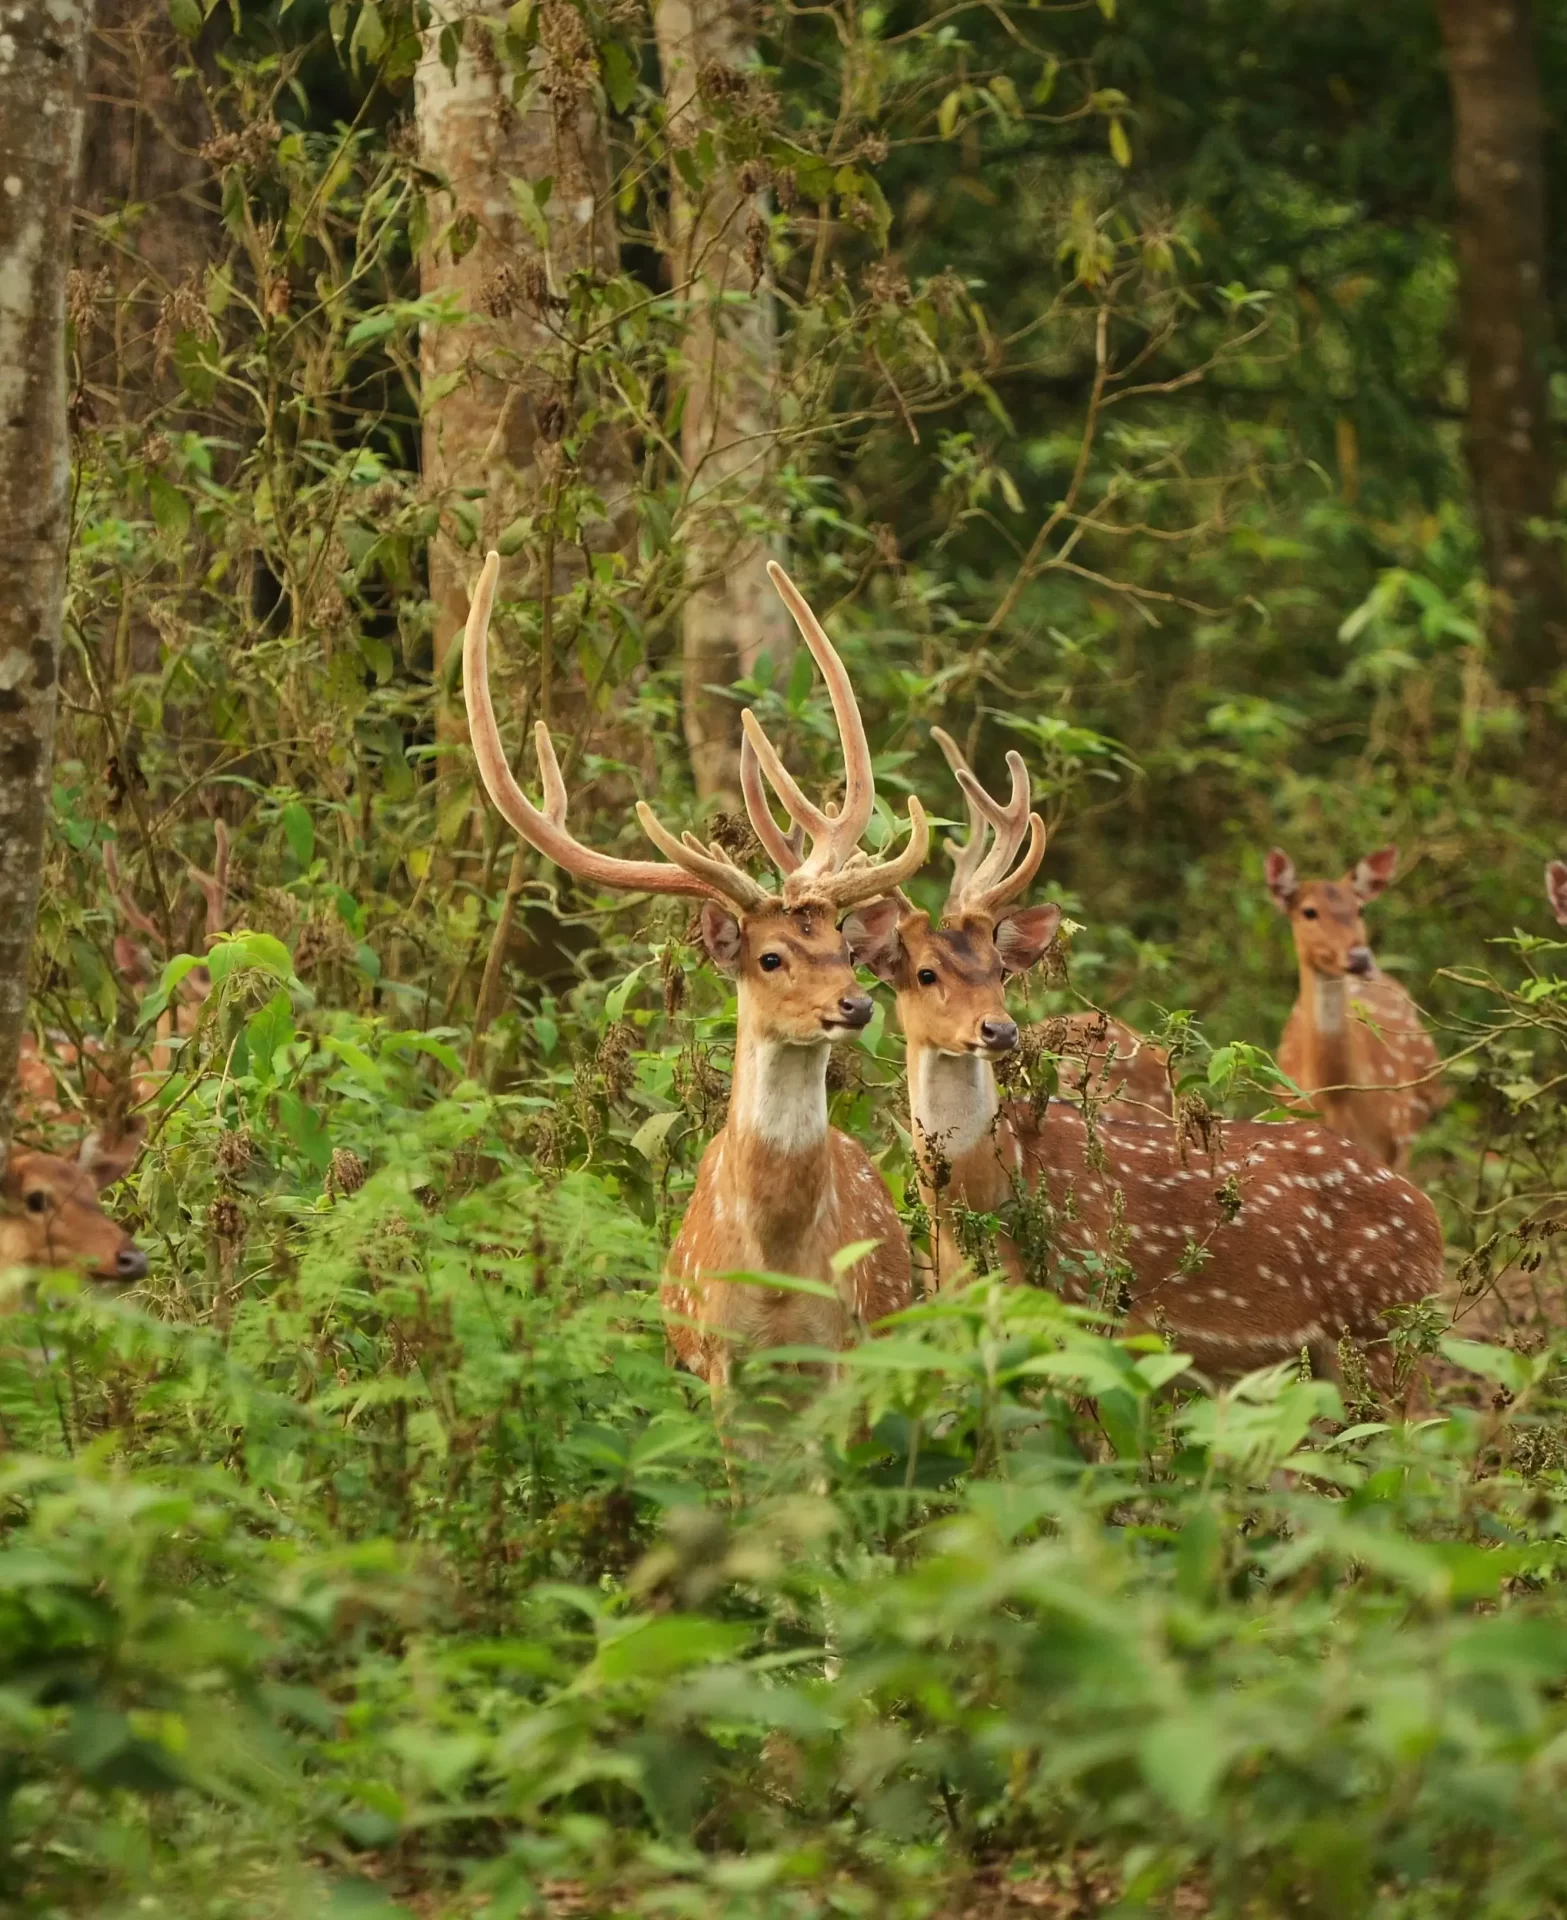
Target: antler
<point x="704" y="872"/>
<point x="835" y="870"/>
<point x="119" y="893"/>
<point x="981" y="883"/>
<point x="215" y="885"/>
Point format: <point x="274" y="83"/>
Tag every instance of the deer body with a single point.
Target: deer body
<point x="1354" y="1043"/>
<point x="1283" y="1237"/>
<point x="1102" y="1058"/>
<point x="778" y="1190"/>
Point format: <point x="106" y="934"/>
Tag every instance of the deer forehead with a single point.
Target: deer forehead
<point x="1334" y="898"/>
<point x="966" y="954"/>
<point x="808" y="935"/>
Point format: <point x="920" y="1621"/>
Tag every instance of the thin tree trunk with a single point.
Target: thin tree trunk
<point x="42" y="61"/>
<point x="503" y="389"/>
<point x="1499" y="177"/>
<point x="732" y="615"/>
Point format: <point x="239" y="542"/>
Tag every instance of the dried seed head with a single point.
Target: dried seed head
<point x="227" y="1218"/>
<point x="234" y="1151"/>
<point x="499" y="292"/>
<point x="345" y="1172"/>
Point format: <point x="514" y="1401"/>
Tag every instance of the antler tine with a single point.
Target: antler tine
<point x="981" y="883"/>
<point x="1010" y="821"/>
<point x="716" y="870"/>
<point x="215" y="885"/>
<point x="119" y="893"/>
<point x="547" y="830"/>
<point x="783" y="849"/>
<point x="859" y="787"/>
<point x="967" y="855"/>
<point x="861" y="878"/>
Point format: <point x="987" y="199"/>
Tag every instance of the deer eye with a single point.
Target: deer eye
<point x="1308" y="913"/>
<point x="770" y="962"/>
<point x="927" y="976"/>
<point x="37" y="1201"/>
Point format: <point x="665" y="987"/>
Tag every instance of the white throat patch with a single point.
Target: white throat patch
<point x="782" y="1097"/>
<point x="953" y="1098"/>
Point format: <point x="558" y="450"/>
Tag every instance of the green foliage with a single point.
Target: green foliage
<point x="370" y="1558"/>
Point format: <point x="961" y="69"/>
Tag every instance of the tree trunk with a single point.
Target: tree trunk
<point x="1498" y="173"/>
<point x="503" y="386"/>
<point x="732" y="615"/>
<point x="42" y="62"/>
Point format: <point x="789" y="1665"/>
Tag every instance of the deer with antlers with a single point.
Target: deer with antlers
<point x="1556" y="889"/>
<point x="1279" y="1239"/>
<point x="1353" y="1043"/>
<point x="778" y="1190"/>
<point x="44" y="1070"/>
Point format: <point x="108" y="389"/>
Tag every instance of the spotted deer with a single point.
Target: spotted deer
<point x="778" y="1190"/>
<point x="48" y="1066"/>
<point x="1353" y="1043"/>
<point x="1271" y="1240"/>
<point x="50" y="1216"/>
<point x="1556" y="889"/>
<point x="1103" y="1060"/>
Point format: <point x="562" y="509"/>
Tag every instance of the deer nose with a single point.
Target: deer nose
<point x="1000" y="1036"/>
<point x="855" y="1009"/>
<point x="130" y="1263"/>
<point x="1360" y="961"/>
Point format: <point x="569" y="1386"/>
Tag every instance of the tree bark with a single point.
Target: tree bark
<point x="43" y="48"/>
<point x="1499" y="177"/>
<point x="503" y="387"/>
<point x="731" y="615"/>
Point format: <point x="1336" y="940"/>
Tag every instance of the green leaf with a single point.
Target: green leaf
<point x="615" y="1000"/>
<point x="236" y="952"/>
<point x="186" y="18"/>
<point x="620" y="76"/>
<point x="651" y="1137"/>
<point x="267" y="1032"/>
<point x="1182" y="1760"/>
<point x="1120" y="146"/>
<point x="299" y="830"/>
<point x="656" y="1648"/>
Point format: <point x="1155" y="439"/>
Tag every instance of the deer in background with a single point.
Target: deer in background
<point x="137" y="962"/>
<point x="50" y="1216"/>
<point x="1354" y="1043"/>
<point x="1282" y="1238"/>
<point x="778" y="1190"/>
<point x="1556" y="889"/>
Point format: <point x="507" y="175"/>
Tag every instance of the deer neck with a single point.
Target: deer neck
<point x="778" y="1145"/>
<point x="1326" y="1000"/>
<point x="957" y="1122"/>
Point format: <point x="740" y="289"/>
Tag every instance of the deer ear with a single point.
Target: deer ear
<point x="721" y="936"/>
<point x="1279" y="871"/>
<point x="1374" y="873"/>
<point x="1023" y="936"/>
<point x="107" y="1157"/>
<point x="1556" y="889"/>
<point x="872" y="934"/>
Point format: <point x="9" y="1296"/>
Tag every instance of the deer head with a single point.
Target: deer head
<point x="950" y="978"/>
<point x="50" y="1216"/>
<point x="794" y="976"/>
<point x="1325" y="915"/>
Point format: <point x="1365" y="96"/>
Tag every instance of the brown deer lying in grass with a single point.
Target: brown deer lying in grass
<point x="1354" y="1043"/>
<point x="779" y="1190"/>
<point x="1277" y="1240"/>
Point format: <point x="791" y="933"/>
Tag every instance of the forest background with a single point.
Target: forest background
<point x="1172" y="391"/>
